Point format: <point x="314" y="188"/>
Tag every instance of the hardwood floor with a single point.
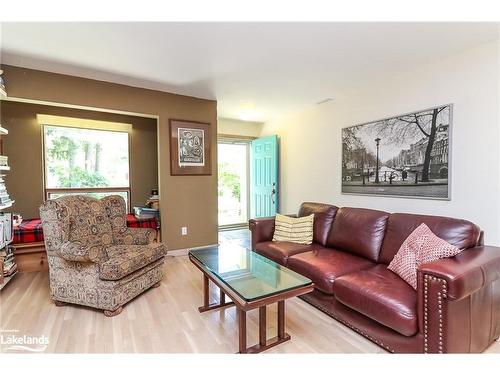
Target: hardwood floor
<point x="166" y="320"/>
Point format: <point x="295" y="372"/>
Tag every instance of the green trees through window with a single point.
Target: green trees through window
<point x="79" y="158"/>
<point x="85" y="161"/>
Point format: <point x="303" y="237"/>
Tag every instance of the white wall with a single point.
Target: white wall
<point x="311" y="139"/>
<point x="227" y="126"/>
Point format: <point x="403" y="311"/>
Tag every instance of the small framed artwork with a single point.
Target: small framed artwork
<point x="189" y="148"/>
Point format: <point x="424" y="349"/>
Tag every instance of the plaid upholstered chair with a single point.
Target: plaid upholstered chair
<point x="94" y="258"/>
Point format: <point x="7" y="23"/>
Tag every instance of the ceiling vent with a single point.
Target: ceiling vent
<point x="324" y="101"/>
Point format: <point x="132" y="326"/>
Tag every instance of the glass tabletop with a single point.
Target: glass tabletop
<point x="249" y="274"/>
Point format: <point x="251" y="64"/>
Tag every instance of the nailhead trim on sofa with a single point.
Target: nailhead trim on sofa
<point x="442" y="294"/>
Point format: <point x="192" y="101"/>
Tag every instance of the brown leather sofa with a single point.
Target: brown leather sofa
<point x="456" y="307"/>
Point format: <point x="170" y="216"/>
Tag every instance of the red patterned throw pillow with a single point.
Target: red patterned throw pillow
<point x="421" y="246"/>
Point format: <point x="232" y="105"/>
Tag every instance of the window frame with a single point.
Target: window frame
<point x="48" y="191"/>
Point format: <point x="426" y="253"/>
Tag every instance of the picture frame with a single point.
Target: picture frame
<point x="404" y="156"/>
<point x="190" y="148"/>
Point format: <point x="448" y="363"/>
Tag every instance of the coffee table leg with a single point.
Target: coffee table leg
<point x="265" y="344"/>
<point x="206" y="291"/>
<point x="242" y="323"/>
<point x="206" y="298"/>
<point x="281" y="319"/>
<point x="222" y="297"/>
<point x="262" y="326"/>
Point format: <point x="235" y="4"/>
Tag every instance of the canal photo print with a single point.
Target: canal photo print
<point x="404" y="156"/>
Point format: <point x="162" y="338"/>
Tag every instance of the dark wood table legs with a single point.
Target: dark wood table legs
<point x="281" y="320"/>
<point x="264" y="344"/>
<point x="242" y="326"/>
<point x="262" y="326"/>
<point x="206" y="298"/>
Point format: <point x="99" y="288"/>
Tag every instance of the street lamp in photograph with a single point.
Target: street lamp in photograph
<point x="377" y="141"/>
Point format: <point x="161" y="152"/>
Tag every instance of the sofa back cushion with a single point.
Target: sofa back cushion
<point x="323" y="219"/>
<point x="359" y="231"/>
<point x="460" y="233"/>
<point x="294" y="229"/>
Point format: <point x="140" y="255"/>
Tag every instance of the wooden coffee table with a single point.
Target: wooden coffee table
<point x="251" y="281"/>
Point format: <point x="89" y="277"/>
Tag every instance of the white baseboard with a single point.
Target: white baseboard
<point x="181" y="252"/>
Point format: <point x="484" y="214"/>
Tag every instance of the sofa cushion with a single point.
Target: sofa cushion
<point x="323" y="265"/>
<point x="421" y="246"/>
<point x="125" y="259"/>
<point x="460" y="233"/>
<point x="280" y="251"/>
<point x="382" y="296"/>
<point x="323" y="219"/>
<point x="294" y="229"/>
<point x="359" y="231"/>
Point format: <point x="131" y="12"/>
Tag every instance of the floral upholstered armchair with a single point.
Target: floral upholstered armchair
<point x="94" y="258"/>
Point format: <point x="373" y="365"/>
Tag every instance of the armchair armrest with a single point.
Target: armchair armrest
<point x="78" y="252"/>
<point x="467" y="272"/>
<point x="135" y="236"/>
<point x="143" y="236"/>
<point x="262" y="230"/>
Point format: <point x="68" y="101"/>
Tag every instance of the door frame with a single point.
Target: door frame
<point x="236" y="139"/>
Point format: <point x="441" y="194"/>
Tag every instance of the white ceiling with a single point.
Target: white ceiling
<point x="256" y="71"/>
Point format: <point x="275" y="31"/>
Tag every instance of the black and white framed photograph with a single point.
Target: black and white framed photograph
<point x="190" y="151"/>
<point x="191" y="144"/>
<point x="402" y="156"/>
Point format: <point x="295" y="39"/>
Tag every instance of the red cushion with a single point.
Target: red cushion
<point x="30" y="230"/>
<point x="324" y="265"/>
<point x="359" y="231"/>
<point x="421" y="246"/>
<point x="133" y="222"/>
<point x="279" y="251"/>
<point x="382" y="296"/>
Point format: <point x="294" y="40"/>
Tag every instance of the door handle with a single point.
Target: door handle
<point x="273" y="192"/>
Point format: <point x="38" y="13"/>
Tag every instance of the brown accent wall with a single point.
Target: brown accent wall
<point x="185" y="200"/>
<point x="23" y="145"/>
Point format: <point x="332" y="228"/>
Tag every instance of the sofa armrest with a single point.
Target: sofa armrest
<point x="78" y="252"/>
<point x="467" y="272"/>
<point x="458" y="302"/>
<point x="262" y="230"/>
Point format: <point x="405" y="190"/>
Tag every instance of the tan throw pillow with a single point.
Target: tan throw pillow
<point x="421" y="246"/>
<point x="294" y="229"/>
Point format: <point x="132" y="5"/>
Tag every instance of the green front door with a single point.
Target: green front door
<point x="264" y="190"/>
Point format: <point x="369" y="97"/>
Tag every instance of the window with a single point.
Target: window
<point x="86" y="161"/>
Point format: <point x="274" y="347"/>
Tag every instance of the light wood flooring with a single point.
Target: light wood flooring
<point x="166" y="320"/>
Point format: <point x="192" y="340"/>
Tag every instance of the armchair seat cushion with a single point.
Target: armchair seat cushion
<point x="381" y="295"/>
<point x="324" y="265"/>
<point x="125" y="259"/>
<point x="280" y="251"/>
